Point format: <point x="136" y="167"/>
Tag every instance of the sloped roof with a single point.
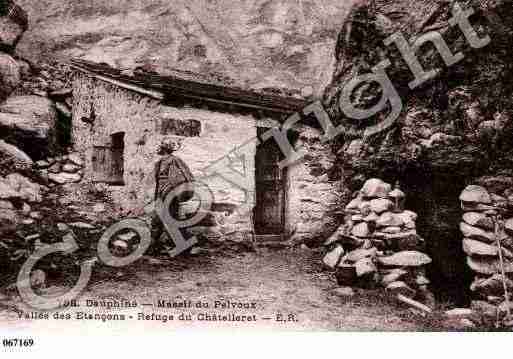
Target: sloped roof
<point x="193" y="86"/>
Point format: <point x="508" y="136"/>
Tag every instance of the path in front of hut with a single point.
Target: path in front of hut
<point x="287" y="284"/>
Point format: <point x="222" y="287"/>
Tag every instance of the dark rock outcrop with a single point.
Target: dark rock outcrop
<point x="29" y="122"/>
<point x="12" y="158"/>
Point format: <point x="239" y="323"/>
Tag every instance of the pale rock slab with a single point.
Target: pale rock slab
<point x="406" y="259"/>
<point x="480" y="220"/>
<point x="332" y="259"/>
<point x="359" y="254"/>
<point x="376" y="188"/>
<point x="365" y="266"/>
<point x="400" y="287"/>
<point x="475" y="194"/>
<point x="361" y="230"/>
<point x="381" y="205"/>
<point x="476" y="233"/>
<point x="488" y="266"/>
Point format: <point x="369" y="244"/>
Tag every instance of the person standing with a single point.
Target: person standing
<point x="169" y="173"/>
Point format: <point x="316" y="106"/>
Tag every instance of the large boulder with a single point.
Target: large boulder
<point x="16" y="186"/>
<point x="10" y="76"/>
<point x="29" y="122"/>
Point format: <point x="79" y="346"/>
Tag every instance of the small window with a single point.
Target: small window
<point x="108" y="161"/>
<point x="200" y="51"/>
<point x="184" y="128"/>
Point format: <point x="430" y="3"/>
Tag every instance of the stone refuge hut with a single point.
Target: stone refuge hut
<point x="119" y="119"/>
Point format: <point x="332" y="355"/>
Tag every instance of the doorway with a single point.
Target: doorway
<point x="271" y="191"/>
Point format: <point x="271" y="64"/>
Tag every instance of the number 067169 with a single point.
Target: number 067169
<point x="17" y="343"/>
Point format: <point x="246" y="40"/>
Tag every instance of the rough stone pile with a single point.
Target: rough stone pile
<point x="16" y="194"/>
<point x="379" y="244"/>
<point x="487" y="227"/>
<point x="62" y="170"/>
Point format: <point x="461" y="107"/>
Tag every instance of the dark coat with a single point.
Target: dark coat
<point x="171" y="172"/>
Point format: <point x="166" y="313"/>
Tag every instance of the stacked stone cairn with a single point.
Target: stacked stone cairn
<point x="378" y="245"/>
<point x="487" y="227"/>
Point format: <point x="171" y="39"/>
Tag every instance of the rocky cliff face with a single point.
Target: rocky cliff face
<point x="34" y="122"/>
<point x="258" y="43"/>
<point x="452" y="129"/>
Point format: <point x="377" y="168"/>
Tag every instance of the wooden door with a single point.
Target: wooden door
<point x="271" y="184"/>
<point x="118" y="161"/>
<point x="108" y="161"/>
<point x="102" y="163"/>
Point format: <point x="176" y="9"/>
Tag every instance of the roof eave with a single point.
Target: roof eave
<point x="193" y="90"/>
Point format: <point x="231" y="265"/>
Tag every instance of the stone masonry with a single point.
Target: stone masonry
<point x="378" y="245"/>
<point x="487" y="227"/>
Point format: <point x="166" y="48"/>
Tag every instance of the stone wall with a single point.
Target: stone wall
<point x="314" y="191"/>
<point x="378" y="244"/>
<point x="487" y="227"/>
<point x="102" y="109"/>
<point x="206" y="136"/>
<point x="220" y="134"/>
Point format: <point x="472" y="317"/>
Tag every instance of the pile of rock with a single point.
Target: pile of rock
<point x="62" y="170"/>
<point x="19" y="192"/>
<point x="16" y="194"/>
<point x="487" y="228"/>
<point x="379" y="244"/>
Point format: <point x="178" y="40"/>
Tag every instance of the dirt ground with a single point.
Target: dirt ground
<point x="289" y="288"/>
